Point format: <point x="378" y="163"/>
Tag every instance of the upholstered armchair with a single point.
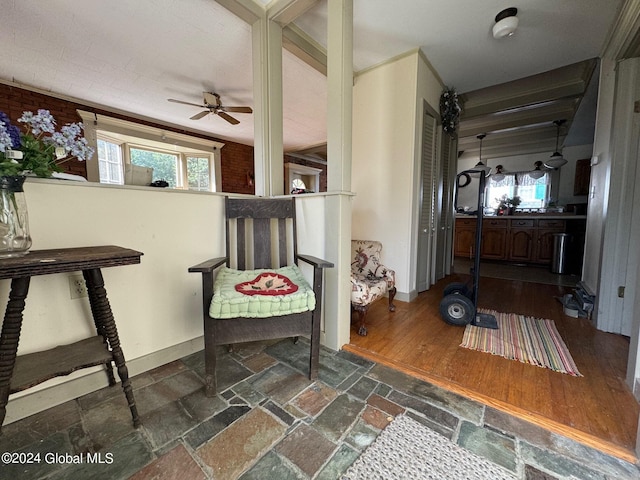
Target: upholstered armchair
<point x="370" y="279"/>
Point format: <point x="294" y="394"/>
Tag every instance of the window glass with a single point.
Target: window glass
<point x="198" y="173"/>
<point x="165" y="165"/>
<point x="533" y="193"/>
<point x="110" y="162"/>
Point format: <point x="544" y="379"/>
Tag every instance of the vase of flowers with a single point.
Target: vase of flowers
<point x="38" y="150"/>
<point x="508" y="205"/>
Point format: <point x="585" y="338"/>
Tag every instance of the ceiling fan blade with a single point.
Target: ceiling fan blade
<point x="229" y="118"/>
<point x="198" y="116"/>
<point x="211" y="98"/>
<point x="184" y="103"/>
<point x="238" y="109"/>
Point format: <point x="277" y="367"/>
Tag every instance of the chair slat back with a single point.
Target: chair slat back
<point x="261" y="232"/>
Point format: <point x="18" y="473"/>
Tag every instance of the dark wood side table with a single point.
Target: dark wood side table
<point x="25" y="371"/>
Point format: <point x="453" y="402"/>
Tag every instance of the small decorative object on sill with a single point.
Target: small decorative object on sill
<point x="508" y="205"/>
<point x="450" y="110"/>
<point x="14" y="222"/>
<point x="39" y="150"/>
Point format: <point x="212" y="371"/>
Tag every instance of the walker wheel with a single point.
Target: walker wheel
<point x="456" y="309"/>
<point x="457" y="287"/>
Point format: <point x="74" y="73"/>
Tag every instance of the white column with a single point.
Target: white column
<point x="267" y="93"/>
<point x="338" y="207"/>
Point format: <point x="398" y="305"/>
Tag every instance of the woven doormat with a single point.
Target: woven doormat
<point x="406" y="449"/>
<point x="531" y="340"/>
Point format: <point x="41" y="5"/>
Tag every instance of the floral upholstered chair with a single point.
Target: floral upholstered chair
<point x="370" y="280"/>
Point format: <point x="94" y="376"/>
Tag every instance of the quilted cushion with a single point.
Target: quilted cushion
<point x="229" y="303"/>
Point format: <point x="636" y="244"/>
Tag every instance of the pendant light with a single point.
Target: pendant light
<point x="481" y="167"/>
<point x="556" y="160"/>
<point x="499" y="175"/>
<point x="537" y="172"/>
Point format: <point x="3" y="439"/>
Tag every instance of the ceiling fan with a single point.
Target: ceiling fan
<point x="213" y="105"/>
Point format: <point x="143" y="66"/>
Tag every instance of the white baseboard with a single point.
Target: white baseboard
<point x="27" y="404"/>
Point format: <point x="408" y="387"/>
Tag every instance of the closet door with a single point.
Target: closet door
<point x="429" y="194"/>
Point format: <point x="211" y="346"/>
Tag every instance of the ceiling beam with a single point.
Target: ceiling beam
<point x="305" y="48"/>
<point x="566" y="82"/>
<point x="247" y="10"/>
<point x="286" y="11"/>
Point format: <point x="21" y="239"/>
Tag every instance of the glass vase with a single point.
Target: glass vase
<point x="15" y="240"/>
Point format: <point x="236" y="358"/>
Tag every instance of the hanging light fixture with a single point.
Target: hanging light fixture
<point x="481" y="166"/>
<point x="499" y="175"/>
<point x="556" y="160"/>
<point x="537" y="172"/>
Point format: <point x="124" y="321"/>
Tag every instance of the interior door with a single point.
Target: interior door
<point x="427" y="227"/>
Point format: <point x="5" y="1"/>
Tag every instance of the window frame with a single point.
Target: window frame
<point x="490" y="199"/>
<point x="145" y="137"/>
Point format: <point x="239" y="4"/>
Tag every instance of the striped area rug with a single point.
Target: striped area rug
<point x="527" y="339"/>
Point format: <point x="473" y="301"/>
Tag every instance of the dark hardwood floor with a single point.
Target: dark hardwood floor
<point x="597" y="409"/>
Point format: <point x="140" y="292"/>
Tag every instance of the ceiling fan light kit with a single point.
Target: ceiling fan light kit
<point x="506" y="23"/>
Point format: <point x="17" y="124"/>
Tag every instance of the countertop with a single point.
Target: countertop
<point x="536" y="216"/>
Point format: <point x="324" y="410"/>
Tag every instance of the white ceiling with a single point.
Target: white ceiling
<point x="134" y="55"/>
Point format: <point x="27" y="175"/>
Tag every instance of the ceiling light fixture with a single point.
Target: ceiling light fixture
<point x="556" y="160"/>
<point x="506" y="23"/>
<point x="499" y="175"/>
<point x="537" y="172"/>
<point x="481" y="167"/>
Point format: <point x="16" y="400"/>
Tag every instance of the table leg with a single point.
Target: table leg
<point x="105" y="322"/>
<point x="10" y="337"/>
<point x="99" y="328"/>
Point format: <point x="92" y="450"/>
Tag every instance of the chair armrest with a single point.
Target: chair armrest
<point x="208" y="266"/>
<point x="316" y="262"/>
<point x="385" y="272"/>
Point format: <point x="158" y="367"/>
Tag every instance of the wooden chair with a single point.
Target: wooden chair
<point x="260" y="234"/>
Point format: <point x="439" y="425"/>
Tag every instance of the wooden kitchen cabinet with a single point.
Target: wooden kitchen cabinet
<point x="465" y="237"/>
<point x="544" y="241"/>
<point x="521" y="240"/>
<point x="494" y="239"/>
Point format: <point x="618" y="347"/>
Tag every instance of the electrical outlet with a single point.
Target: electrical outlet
<point x="77" y="287"/>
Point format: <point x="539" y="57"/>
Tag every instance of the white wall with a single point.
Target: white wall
<point x="386" y="135"/>
<point x="157" y="304"/>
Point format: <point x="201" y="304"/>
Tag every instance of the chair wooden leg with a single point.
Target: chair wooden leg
<point x="362" y="313"/>
<point x="392" y="294"/>
<point x="209" y="361"/>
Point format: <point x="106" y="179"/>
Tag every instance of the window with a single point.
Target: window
<point x="183" y="161"/>
<point x="533" y="192"/>
<point x="198" y="173"/>
<point x="110" y="162"/>
<point x="165" y="165"/>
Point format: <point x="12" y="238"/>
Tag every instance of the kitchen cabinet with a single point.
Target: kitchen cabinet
<point x="544" y="241"/>
<point x="494" y="239"/>
<point x="522" y="240"/>
<point x="465" y="237"/>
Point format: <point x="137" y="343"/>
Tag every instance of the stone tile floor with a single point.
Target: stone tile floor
<point x="270" y="422"/>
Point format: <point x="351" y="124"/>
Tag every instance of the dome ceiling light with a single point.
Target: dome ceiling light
<point x="556" y="160"/>
<point x="506" y="23"/>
